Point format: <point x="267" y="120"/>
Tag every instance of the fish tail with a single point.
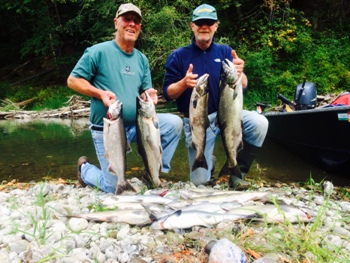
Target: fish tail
<point x="125" y="187"/>
<point x="200" y="162"/>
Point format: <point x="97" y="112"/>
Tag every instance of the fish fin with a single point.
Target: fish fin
<point x="126" y="187"/>
<point x="151" y="215"/>
<point x="200" y="163"/>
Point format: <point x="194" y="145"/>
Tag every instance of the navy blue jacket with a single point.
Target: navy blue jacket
<point x="208" y="61"/>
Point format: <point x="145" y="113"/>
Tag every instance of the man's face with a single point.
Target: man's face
<point x="128" y="26"/>
<point x="204" y="29"/>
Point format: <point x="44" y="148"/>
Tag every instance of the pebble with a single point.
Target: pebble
<point x="34" y="227"/>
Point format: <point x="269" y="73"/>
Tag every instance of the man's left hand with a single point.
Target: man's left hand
<point x="239" y="63"/>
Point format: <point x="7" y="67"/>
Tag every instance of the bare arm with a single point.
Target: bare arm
<point x="84" y="87"/>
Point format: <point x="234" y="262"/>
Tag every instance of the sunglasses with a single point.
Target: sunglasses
<point x="201" y="22"/>
<point x="128" y="19"/>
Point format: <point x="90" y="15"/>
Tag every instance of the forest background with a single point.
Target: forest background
<point x="281" y="41"/>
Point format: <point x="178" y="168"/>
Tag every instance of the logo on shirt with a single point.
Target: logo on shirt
<point x="217" y="60"/>
<point x="127" y="71"/>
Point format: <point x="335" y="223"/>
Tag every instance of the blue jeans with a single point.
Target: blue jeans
<point x="254" y="132"/>
<point x="170" y="131"/>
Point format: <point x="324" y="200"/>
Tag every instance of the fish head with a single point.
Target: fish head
<point x="114" y="110"/>
<point x="202" y="85"/>
<point x="229" y="72"/>
<point x="146" y="107"/>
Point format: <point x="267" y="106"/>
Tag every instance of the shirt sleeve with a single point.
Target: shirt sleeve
<point x="85" y="67"/>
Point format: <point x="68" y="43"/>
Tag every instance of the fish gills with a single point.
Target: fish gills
<point x="199" y="120"/>
<point x="148" y="138"/>
<point x="116" y="146"/>
<point x="230" y="114"/>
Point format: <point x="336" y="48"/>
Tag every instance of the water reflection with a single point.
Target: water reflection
<point x="40" y="149"/>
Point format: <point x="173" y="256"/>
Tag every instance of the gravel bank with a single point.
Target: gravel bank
<point x="34" y="228"/>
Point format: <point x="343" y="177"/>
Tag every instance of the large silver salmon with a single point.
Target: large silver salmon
<point x="277" y="213"/>
<point x="230" y="114"/>
<point x="116" y="146"/>
<point x="186" y="219"/>
<point x="199" y="120"/>
<point x="148" y="138"/>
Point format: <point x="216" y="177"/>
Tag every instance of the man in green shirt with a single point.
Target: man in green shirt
<point x="117" y="70"/>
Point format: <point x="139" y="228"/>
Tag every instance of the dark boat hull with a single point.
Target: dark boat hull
<point x="321" y="135"/>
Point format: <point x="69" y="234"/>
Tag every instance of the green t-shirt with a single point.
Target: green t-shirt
<point x="107" y="67"/>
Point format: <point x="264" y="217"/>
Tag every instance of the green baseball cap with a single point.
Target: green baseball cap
<point x="204" y="12"/>
<point x="125" y="8"/>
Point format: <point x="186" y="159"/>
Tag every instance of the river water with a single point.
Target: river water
<point x="49" y="149"/>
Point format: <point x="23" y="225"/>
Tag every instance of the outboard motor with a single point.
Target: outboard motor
<point x="305" y="96"/>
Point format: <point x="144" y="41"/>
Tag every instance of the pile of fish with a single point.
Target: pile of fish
<point x="186" y="208"/>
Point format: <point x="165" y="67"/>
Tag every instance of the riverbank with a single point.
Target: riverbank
<point x="34" y="227"/>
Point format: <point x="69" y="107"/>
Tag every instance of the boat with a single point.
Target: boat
<point x="319" y="134"/>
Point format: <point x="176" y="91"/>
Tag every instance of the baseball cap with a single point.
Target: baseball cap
<point x="125" y="8"/>
<point x="204" y="12"/>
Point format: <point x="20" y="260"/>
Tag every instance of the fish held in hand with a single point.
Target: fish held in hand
<point x="148" y="138"/>
<point x="199" y="122"/>
<point x="116" y="146"/>
<point x="230" y="115"/>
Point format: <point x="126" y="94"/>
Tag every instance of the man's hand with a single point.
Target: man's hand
<point x="239" y="63"/>
<point x="152" y="93"/>
<point x="107" y="97"/>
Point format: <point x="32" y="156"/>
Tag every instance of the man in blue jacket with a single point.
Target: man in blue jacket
<point x="183" y="67"/>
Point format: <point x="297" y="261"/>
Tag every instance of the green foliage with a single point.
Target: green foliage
<point x="52" y="98"/>
<point x="282" y="42"/>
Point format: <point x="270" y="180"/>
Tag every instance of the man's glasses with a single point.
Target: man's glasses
<point x="201" y="22"/>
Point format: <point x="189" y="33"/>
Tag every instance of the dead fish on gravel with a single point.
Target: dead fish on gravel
<point x="208" y="207"/>
<point x="116" y="146"/>
<point x="277" y="213"/>
<point x="187" y="219"/>
<point x="241" y="197"/>
<point x="131" y="217"/>
<point x="199" y="122"/>
<point x="230" y="115"/>
<point x="113" y="201"/>
<point x="148" y="138"/>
